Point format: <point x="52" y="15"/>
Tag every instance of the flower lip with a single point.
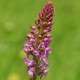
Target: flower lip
<point x="31" y="71"/>
<point x="29" y="62"/>
<point x="35" y="53"/>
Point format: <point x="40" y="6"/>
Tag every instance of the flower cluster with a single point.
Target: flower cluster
<point x="39" y="40"/>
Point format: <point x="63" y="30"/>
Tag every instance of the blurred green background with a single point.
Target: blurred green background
<point x="15" y="18"/>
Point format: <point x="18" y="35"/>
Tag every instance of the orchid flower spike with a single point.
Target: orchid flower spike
<point x="38" y="44"/>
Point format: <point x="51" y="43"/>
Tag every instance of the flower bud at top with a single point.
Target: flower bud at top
<point x="45" y="31"/>
<point x="29" y="36"/>
<point x="49" y="35"/>
<point x="46" y="39"/>
<point x="32" y="27"/>
<point x="50" y="23"/>
<point x="32" y="40"/>
<point x="44" y="24"/>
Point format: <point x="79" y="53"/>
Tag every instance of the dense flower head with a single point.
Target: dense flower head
<point x="39" y="40"/>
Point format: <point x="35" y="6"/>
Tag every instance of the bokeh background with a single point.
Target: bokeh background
<point x="15" y="18"/>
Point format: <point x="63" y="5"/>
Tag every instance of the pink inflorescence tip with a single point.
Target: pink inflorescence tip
<point x="39" y="40"/>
